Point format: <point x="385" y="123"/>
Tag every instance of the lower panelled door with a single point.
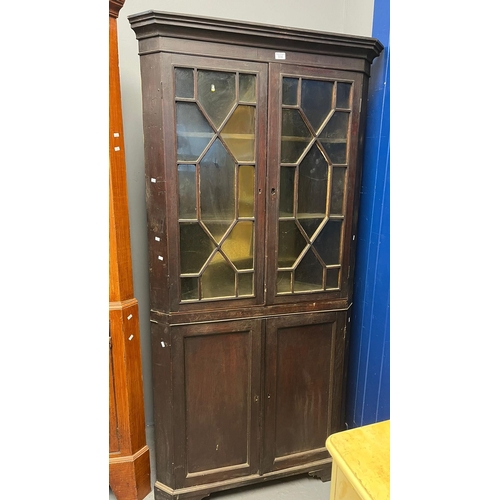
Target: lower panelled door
<point x="304" y="366"/>
<point x="216" y="383"/>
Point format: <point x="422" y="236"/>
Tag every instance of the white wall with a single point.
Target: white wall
<point x="339" y="16"/>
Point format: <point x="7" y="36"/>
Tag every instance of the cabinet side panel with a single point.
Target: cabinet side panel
<point x="155" y="177"/>
<point x="162" y="392"/>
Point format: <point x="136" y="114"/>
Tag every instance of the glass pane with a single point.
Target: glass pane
<point x="238" y="246"/>
<point x="337" y="196"/>
<point x="193" y="131"/>
<point x="313" y="180"/>
<point x="286" y="193"/>
<point x="327" y="243"/>
<point x="217" y="229"/>
<point x="247" y="88"/>
<point x="295" y="136"/>
<point x="184" y="82"/>
<point x="196" y="247"/>
<point x="187" y="191"/>
<point x="246" y="183"/>
<point x="290" y="86"/>
<point x="245" y="284"/>
<point x="218" y="280"/>
<point x="334" y="137"/>
<point x="332" y="278"/>
<point x="310" y="225"/>
<point x="343" y="95"/>
<point x="217" y="196"/>
<point x="309" y="274"/>
<point x="316" y="101"/>
<point x="239" y="133"/>
<point x="291" y="243"/>
<point x="284" y="283"/>
<point x="217" y="94"/>
<point x="189" y="288"/>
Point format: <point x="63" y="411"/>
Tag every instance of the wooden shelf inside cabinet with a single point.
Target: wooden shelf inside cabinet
<point x="250" y="302"/>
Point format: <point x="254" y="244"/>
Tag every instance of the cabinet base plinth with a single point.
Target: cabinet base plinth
<point x="130" y="477"/>
<point x="321" y="469"/>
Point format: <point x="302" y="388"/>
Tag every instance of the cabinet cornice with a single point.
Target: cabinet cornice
<point x="153" y="23"/>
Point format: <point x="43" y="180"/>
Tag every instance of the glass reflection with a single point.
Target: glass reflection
<point x="193" y="131"/>
<point x="337" y="193"/>
<point x="187" y="191"/>
<point x="291" y="243"/>
<point x="313" y="179"/>
<point x="343" y="95"/>
<point x="328" y="242"/>
<point x="247" y="87"/>
<point x="184" y="83"/>
<point x="195" y="246"/>
<point x="316" y="101"/>
<point x="217" y="94"/>
<point x="334" y="137"/>
<point x="246" y="182"/>
<point x="218" y="280"/>
<point x="290" y="86"/>
<point x="309" y="274"/>
<point x="239" y="133"/>
<point x="295" y="136"/>
<point x="217" y="189"/>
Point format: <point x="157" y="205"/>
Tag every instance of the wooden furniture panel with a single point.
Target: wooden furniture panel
<point x="303" y="367"/>
<point x="253" y="140"/>
<point x="217" y="386"/>
<point x="129" y="468"/>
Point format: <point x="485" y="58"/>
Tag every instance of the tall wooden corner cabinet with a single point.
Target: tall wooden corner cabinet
<point x="129" y="467"/>
<point x="253" y="145"/>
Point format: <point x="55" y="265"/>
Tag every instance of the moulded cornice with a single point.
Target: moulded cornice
<point x="114" y="7"/>
<point x="153" y="23"/>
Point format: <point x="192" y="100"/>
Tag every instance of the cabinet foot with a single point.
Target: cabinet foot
<point x="324" y="474"/>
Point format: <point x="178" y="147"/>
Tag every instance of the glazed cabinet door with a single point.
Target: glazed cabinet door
<point x="215" y="113"/>
<point x="304" y="368"/>
<point x="313" y="156"/>
<point x="216" y="401"/>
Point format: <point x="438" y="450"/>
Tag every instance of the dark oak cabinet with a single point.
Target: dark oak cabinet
<point x="253" y="143"/>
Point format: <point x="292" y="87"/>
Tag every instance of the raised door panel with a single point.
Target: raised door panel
<point x="215" y="112"/>
<point x="304" y="376"/>
<point x="216" y="380"/>
<point x="314" y="122"/>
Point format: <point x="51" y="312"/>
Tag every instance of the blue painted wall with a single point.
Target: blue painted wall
<point x="368" y="394"/>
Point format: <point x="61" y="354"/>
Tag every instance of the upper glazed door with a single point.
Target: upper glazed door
<point x="217" y="176"/>
<point x="314" y="122"/>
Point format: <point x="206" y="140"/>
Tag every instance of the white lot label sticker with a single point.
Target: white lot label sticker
<point x="280" y="55"/>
